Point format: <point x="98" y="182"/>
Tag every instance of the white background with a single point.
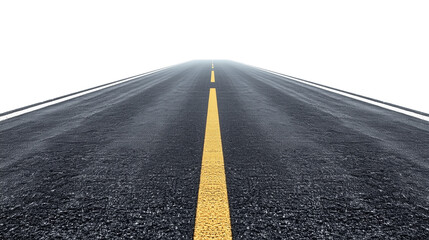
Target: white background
<point x="377" y="48"/>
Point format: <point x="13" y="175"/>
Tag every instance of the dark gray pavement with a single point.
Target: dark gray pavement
<point x="301" y="163"/>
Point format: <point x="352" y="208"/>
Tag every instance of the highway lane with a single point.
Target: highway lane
<point x="300" y="162"/>
<point x="121" y="162"/>
<point x="305" y="163"/>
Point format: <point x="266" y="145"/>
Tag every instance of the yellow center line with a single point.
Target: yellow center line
<point x="212" y="219"/>
<point x="212" y="65"/>
<point x="213" y="77"/>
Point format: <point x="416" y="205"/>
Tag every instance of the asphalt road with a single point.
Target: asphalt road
<point x="300" y="162"/>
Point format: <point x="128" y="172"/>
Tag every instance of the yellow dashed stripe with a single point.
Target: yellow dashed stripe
<point x="212" y="218"/>
<point x="213" y="78"/>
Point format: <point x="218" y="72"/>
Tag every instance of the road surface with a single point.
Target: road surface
<point x="300" y="162"/>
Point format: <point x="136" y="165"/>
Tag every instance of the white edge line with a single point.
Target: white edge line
<point x="399" y="110"/>
<point x="37" y="107"/>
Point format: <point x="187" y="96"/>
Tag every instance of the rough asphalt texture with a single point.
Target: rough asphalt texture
<point x="301" y="163"/>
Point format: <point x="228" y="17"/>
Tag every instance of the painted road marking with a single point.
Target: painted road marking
<point x="213" y="77"/>
<point x="47" y="104"/>
<point x="212" y="65"/>
<point x="212" y="219"/>
<point x="379" y="104"/>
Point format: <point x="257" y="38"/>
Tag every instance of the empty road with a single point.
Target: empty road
<point x="292" y="162"/>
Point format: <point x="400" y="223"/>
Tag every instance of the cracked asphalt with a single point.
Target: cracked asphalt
<point x="300" y="162"/>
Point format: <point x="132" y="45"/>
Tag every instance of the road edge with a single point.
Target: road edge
<point x="390" y="106"/>
<point x="36" y="106"/>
